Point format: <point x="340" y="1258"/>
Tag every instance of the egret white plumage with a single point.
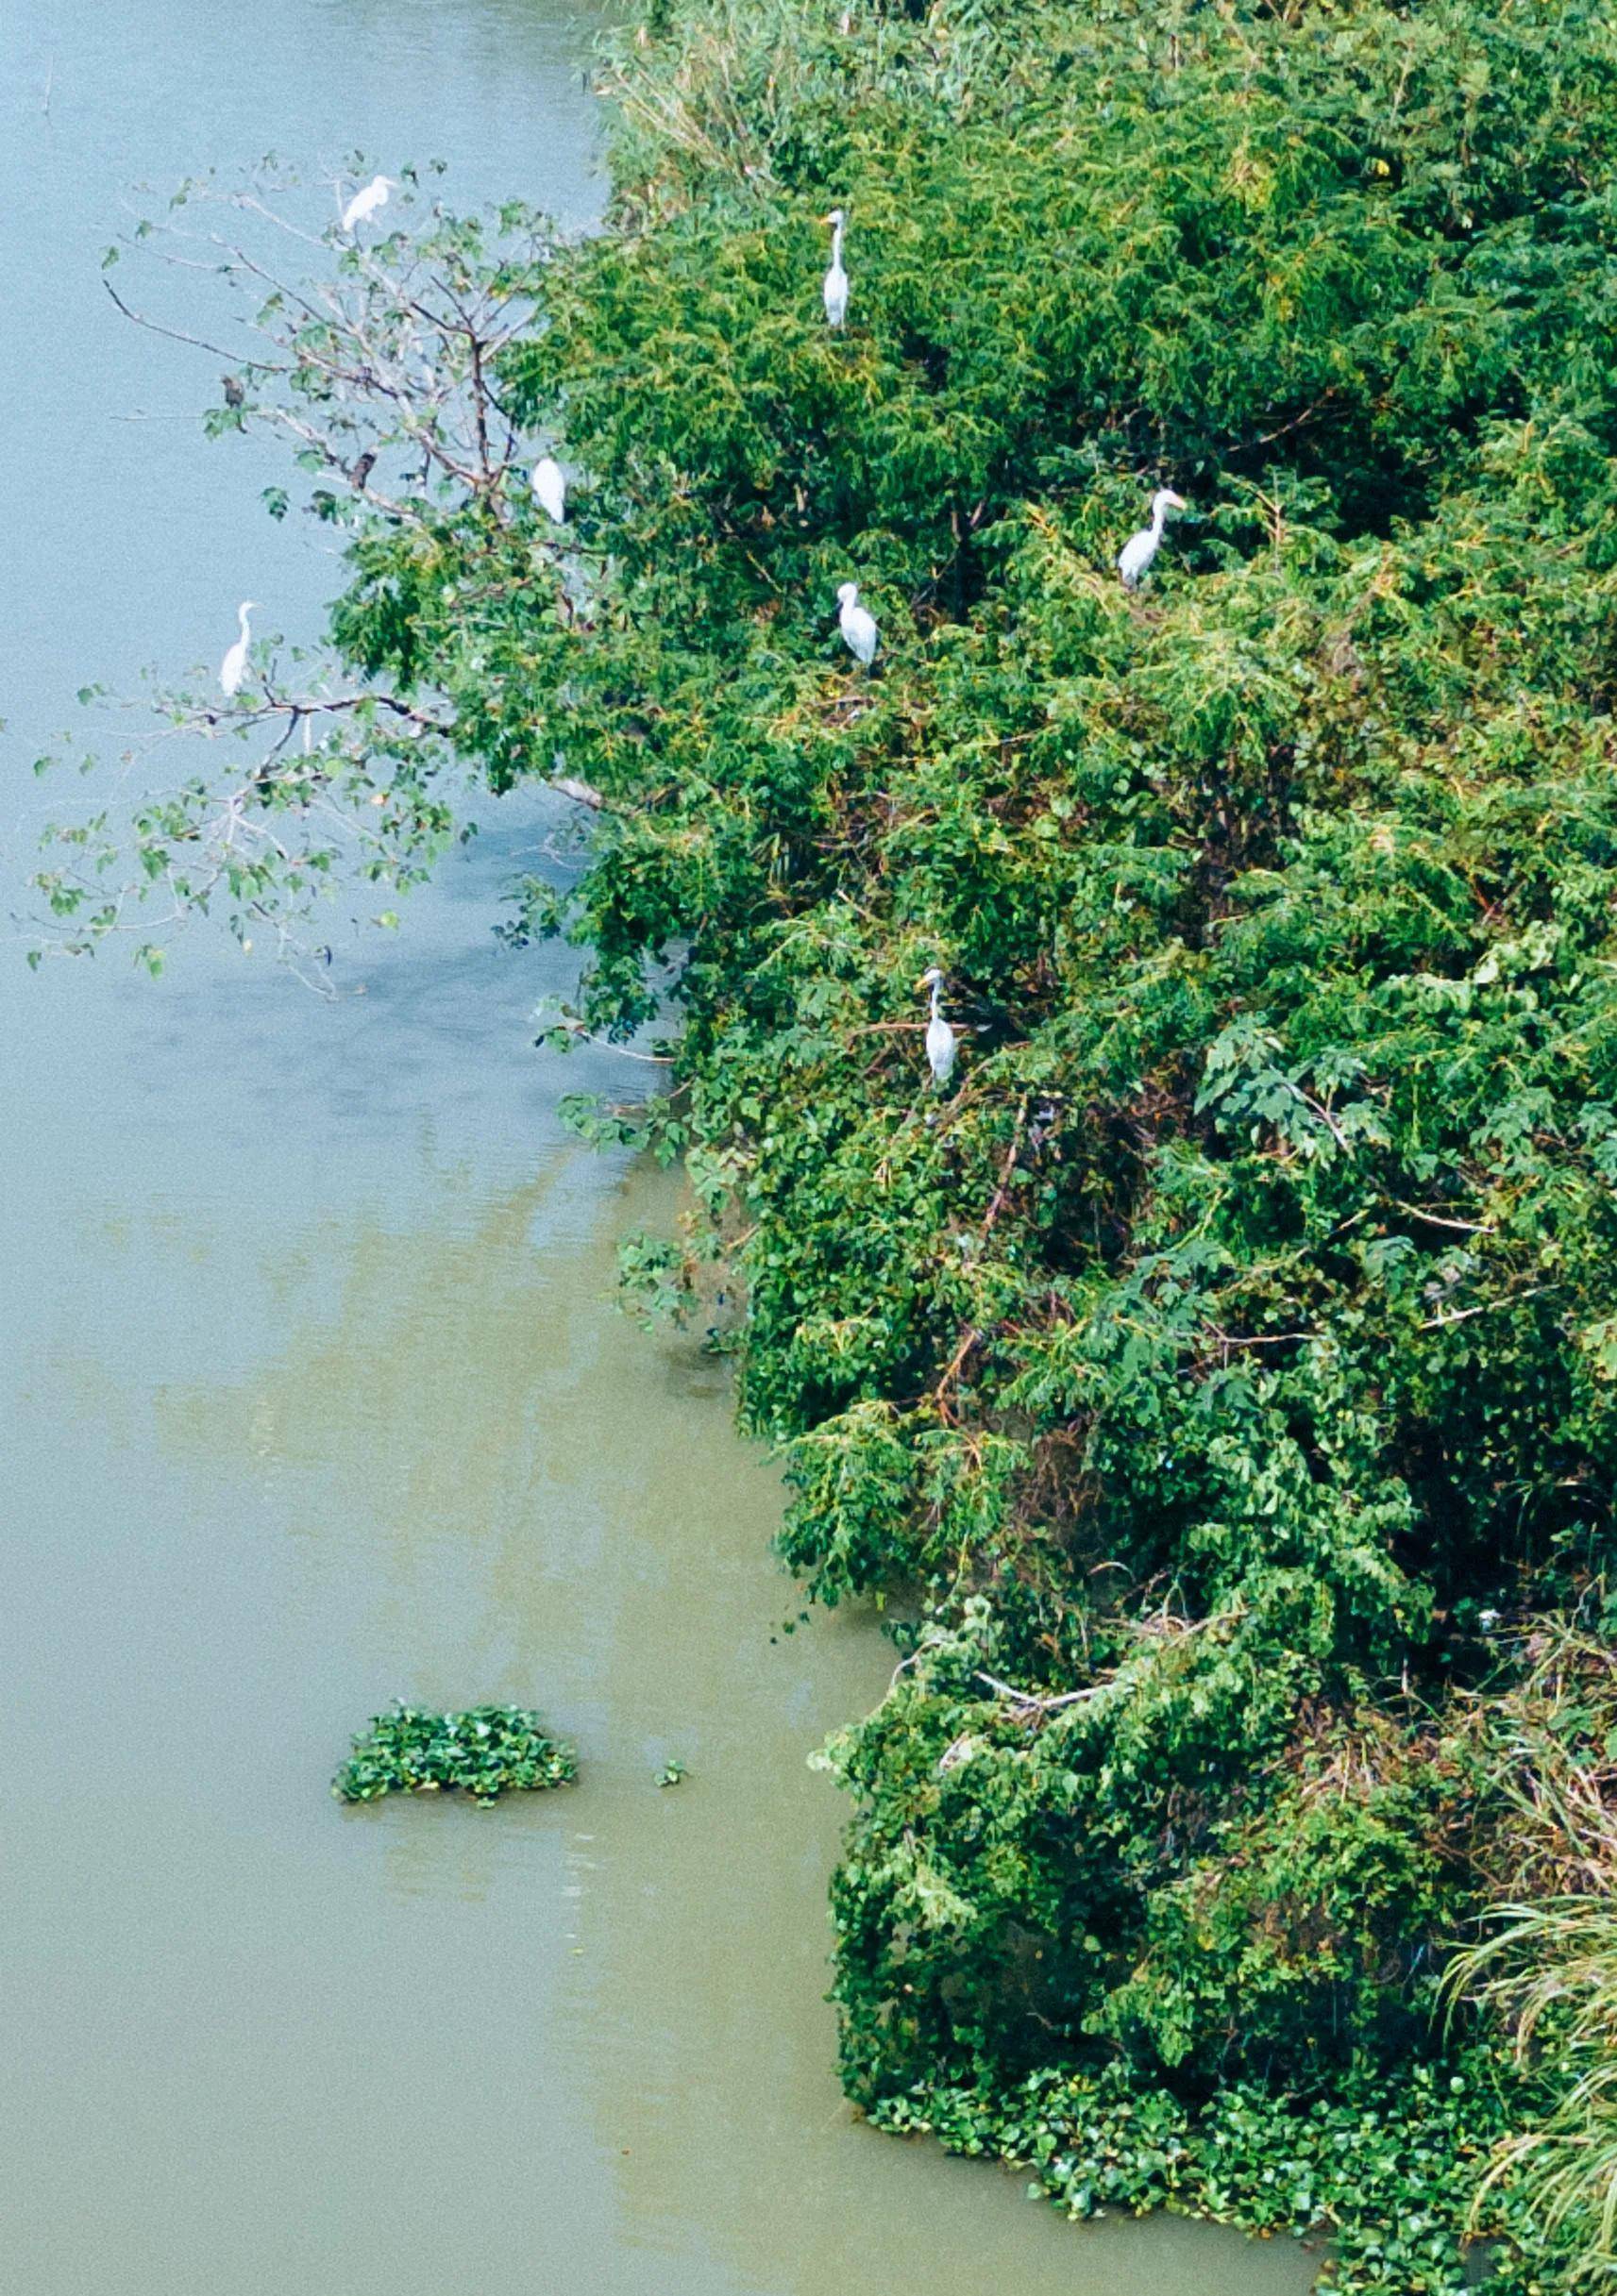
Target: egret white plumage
<point x="1133" y="560"/>
<point x="369" y="202"/>
<point x="941" y="1042"/>
<point x="857" y="625"/>
<point x="836" y="289"/>
<point x="234" y="666"/>
<point x="550" y="483"/>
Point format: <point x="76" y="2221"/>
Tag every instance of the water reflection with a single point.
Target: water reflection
<point x="697" y="2015"/>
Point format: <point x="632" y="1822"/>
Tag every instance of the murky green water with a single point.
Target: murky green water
<point x="311" y="1394"/>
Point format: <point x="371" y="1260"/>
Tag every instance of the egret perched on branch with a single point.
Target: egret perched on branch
<point x="857" y="625"/>
<point x="941" y="1042"/>
<point x="549" y="485"/>
<point x="234" y="666"/>
<point x="369" y="202"/>
<point x="1134" y="563"/>
<point x="835" y="290"/>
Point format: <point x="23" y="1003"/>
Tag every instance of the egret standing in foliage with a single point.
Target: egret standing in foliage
<point x="549" y="485"/>
<point x="941" y="1042"/>
<point x="835" y="290"/>
<point x="1134" y="563"/>
<point x="234" y="666"/>
<point x="857" y="625"/>
<point x="369" y="202"/>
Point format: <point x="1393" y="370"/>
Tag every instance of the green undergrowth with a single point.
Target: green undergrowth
<point x="483" y="1752"/>
<point x="1382" y="2173"/>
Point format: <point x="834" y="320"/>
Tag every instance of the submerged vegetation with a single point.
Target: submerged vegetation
<point x="486" y="1751"/>
<point x="1219" y="1363"/>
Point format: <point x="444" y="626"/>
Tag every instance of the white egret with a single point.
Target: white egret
<point x="369" y="202"/>
<point x="941" y="1042"/>
<point x="835" y="290"/>
<point x="1134" y="561"/>
<point x="550" y="483"/>
<point x="234" y="666"/>
<point x="857" y="625"/>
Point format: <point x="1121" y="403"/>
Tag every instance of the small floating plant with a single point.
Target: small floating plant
<point x="483" y="1752"/>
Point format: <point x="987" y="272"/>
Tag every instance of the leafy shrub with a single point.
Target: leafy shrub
<point x="484" y="1751"/>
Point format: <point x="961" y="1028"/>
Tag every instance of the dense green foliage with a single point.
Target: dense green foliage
<point x="1222" y="1375"/>
<point x="486" y="1751"/>
<point x="1227" y="1363"/>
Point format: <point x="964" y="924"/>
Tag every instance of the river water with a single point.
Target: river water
<point x="312" y="1394"/>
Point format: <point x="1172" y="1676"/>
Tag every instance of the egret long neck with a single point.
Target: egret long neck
<point x="241" y="618"/>
<point x="937" y="992"/>
<point x="836" y="246"/>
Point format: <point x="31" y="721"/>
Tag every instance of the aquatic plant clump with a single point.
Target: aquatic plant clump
<point x="484" y="1751"/>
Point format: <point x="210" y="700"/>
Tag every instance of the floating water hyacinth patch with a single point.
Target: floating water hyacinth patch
<point x="484" y="1751"/>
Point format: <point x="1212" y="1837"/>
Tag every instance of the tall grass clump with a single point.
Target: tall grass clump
<point x="1544" y="1966"/>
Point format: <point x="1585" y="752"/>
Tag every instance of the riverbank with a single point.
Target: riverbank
<point x="313" y="1394"/>
<point x="1216" y="1343"/>
<point x="1219" y="1351"/>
